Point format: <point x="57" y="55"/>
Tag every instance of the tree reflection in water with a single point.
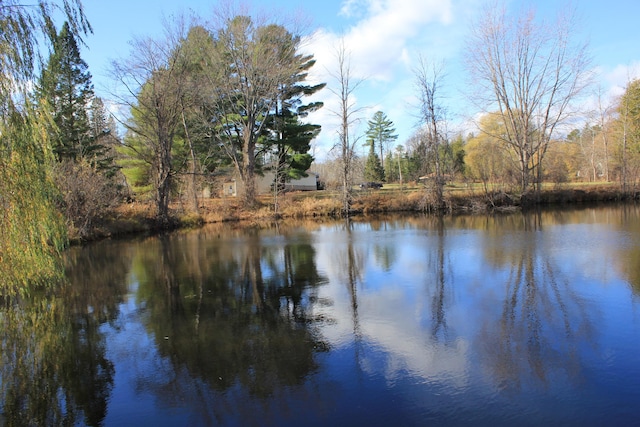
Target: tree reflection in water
<point x="476" y="315"/>
<point x="53" y="367"/>
<point x="439" y="322"/>
<point x="229" y="316"/>
<point x="351" y="265"/>
<point x="543" y="320"/>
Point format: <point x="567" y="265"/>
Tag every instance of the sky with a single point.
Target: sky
<point x="384" y="40"/>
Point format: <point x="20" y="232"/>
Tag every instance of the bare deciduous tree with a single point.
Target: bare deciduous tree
<point x="347" y="114"/>
<point x="432" y="121"/>
<point x="154" y="78"/>
<point x="603" y="118"/>
<point x="530" y="72"/>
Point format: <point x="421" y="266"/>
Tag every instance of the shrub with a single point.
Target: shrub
<point x="87" y="196"/>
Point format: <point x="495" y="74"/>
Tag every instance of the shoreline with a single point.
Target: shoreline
<point x="138" y="217"/>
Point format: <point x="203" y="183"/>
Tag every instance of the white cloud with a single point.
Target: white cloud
<point x="382" y="42"/>
<point x="610" y="84"/>
<point x="618" y="78"/>
<point x="391" y="318"/>
<point x="379" y="42"/>
<point x="354" y="8"/>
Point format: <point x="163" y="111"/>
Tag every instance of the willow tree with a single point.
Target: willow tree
<point x="486" y="159"/>
<point x="530" y="72"/>
<point x="31" y="230"/>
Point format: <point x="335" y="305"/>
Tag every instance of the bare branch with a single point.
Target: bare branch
<point x="530" y="72"/>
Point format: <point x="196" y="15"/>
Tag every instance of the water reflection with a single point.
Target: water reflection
<point x="224" y="320"/>
<point x="404" y="320"/>
<point x="53" y="366"/>
<point x="437" y="263"/>
<point x="542" y="320"/>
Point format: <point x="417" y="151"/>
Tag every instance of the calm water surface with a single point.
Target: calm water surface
<point x="523" y="319"/>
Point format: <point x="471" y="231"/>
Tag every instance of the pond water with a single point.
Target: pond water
<point x="519" y="319"/>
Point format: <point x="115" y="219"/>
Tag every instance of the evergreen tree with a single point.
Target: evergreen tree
<point x="381" y="132"/>
<point x="391" y="168"/>
<point x="65" y="88"/>
<point x="104" y="134"/>
<point x="80" y="137"/>
<point x="395" y="166"/>
<point x="373" y="170"/>
<point x="458" y="154"/>
<point x="293" y="158"/>
<point x="291" y="136"/>
<point x="198" y="155"/>
<point x="256" y="75"/>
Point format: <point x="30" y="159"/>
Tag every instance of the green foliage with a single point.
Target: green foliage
<point x="293" y="136"/>
<point x="32" y="232"/>
<point x="199" y="125"/>
<point x="105" y="139"/>
<point x="136" y="161"/>
<point x="211" y="98"/>
<point x="24" y="27"/>
<point x="156" y="117"/>
<point x="381" y="132"/>
<point x="395" y="165"/>
<point x="292" y="159"/>
<point x="373" y="170"/>
<point x="629" y="114"/>
<point x="261" y="73"/>
<point x="65" y="88"/>
<point x="457" y="156"/>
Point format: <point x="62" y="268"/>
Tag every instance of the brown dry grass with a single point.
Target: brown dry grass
<point x="379" y="202"/>
<point x="140" y="217"/>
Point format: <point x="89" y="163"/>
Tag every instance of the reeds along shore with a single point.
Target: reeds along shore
<point x="138" y="217"/>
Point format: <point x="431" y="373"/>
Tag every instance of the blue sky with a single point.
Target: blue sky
<point x="384" y="39"/>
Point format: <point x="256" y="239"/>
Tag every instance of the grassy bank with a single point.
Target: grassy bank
<point x="139" y="217"/>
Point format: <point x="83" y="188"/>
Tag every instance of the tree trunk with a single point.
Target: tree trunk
<point x="163" y="187"/>
<point x="248" y="171"/>
<point x="192" y="184"/>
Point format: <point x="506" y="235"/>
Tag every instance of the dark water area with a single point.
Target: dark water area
<point x="519" y="319"/>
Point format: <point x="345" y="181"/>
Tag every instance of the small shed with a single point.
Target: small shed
<point x="264" y="184"/>
<point x="305" y="183"/>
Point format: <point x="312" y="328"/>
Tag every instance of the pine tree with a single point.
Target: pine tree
<point x="104" y="135"/>
<point x="293" y="136"/>
<point x="289" y="137"/>
<point x="381" y="132"/>
<point x="373" y="170"/>
<point x="65" y="88"/>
